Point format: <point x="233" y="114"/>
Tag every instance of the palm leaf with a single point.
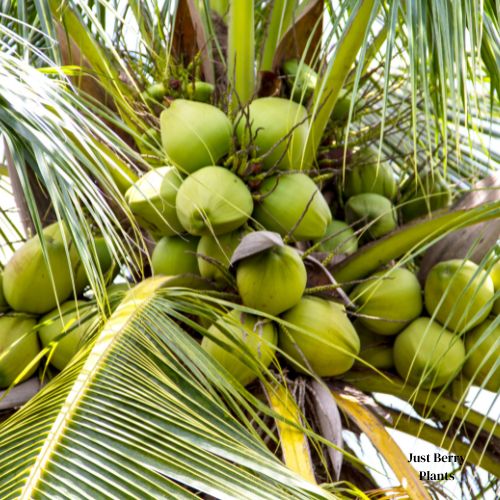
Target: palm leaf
<point x="376" y="432"/>
<point x="133" y="415"/>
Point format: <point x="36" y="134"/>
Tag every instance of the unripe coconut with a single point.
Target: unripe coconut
<point x="272" y="281"/>
<point x="342" y="107"/>
<point x="213" y="200"/>
<point x="482" y="345"/>
<point x="428" y="355"/>
<point x="424" y="195"/>
<point x="201" y="91"/>
<point x="74" y="321"/>
<point x="156" y="91"/>
<point x="288" y="199"/>
<point x="373" y="211"/>
<point x="234" y="328"/>
<point x="175" y="255"/>
<point x="376" y="350"/>
<point x="105" y="262"/>
<point x="272" y="120"/>
<point x="214" y="254"/>
<point x="458" y="294"/>
<point x="339" y="238"/>
<point x="370" y="176"/>
<point x="27" y="283"/>
<point x="152" y="201"/>
<point x="194" y="134"/>
<point x="301" y="79"/>
<point x="393" y="296"/>
<point x="324" y="336"/>
<point x="15" y="358"/>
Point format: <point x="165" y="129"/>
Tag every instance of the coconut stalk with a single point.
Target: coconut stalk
<point x="410" y="237"/>
<point x="241" y="53"/>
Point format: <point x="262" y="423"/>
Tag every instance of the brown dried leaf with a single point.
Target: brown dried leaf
<point x="269" y="84"/>
<point x="72" y="56"/>
<point x="254" y="243"/>
<point x="329" y="422"/>
<point x="189" y="38"/>
<point x="295" y="41"/>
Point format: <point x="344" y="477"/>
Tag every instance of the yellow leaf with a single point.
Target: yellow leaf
<point x="382" y="440"/>
<point x="294" y="442"/>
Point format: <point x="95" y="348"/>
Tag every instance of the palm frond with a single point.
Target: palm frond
<point x="135" y="413"/>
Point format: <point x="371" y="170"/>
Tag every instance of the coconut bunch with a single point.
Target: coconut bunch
<point x="231" y="180"/>
<point x="37" y="301"/>
<point x="432" y="336"/>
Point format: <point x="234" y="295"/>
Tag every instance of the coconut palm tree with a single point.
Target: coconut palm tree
<point x="142" y="410"/>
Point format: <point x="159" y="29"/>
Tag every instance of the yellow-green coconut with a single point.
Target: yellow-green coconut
<point x="242" y="337"/>
<point x="458" y="294"/>
<point x="322" y="337"/>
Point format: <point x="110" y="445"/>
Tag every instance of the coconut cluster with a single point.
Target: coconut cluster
<point x="226" y="186"/>
<point x="431" y="336"/>
<point x="38" y="286"/>
<point x="203" y="206"/>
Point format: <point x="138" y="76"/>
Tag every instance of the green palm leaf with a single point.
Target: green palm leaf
<point x="134" y="415"/>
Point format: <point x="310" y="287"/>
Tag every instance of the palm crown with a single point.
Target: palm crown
<point x="155" y="402"/>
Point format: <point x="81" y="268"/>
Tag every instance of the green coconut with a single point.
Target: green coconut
<point x="18" y="347"/>
<point x="175" y="255"/>
<point x="458" y="294"/>
<point x="213" y="200"/>
<point x="201" y="91"/>
<point x="27" y="283"/>
<point x="67" y="329"/>
<point x="152" y="201"/>
<point x="428" y="355"/>
<point x="339" y="238"/>
<point x="214" y="254"/>
<point x="373" y="211"/>
<point x="293" y="201"/>
<point x="370" y="176"/>
<point x="301" y="79"/>
<point x="106" y="263"/>
<point x="391" y="299"/>
<point x="275" y="120"/>
<point x="376" y="350"/>
<point x="342" y="107"/>
<point x="322" y="334"/>
<point x="235" y="329"/>
<point x="482" y="345"/>
<point x="272" y="281"/>
<point x="424" y="195"/>
<point x="194" y="134"/>
<point x="156" y="91"/>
